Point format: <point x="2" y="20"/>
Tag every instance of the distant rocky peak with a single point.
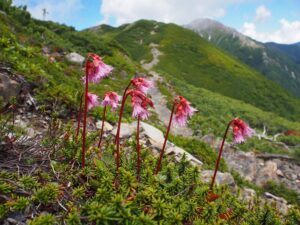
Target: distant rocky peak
<point x="215" y="31"/>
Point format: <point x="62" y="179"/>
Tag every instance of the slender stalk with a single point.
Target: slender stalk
<point x="219" y="157"/>
<point x="79" y="118"/>
<point x="117" y="138"/>
<point x="118" y="134"/>
<point x="84" y="117"/>
<point x="121" y="112"/>
<point x="138" y="150"/>
<point x="158" y="165"/>
<point x="102" y="127"/>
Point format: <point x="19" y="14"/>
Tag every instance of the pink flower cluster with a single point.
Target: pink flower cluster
<point x="111" y="99"/>
<point x="241" y="131"/>
<point x="93" y="101"/>
<point x="142" y="84"/>
<point x="140" y="103"/>
<point x="96" y="69"/>
<point x="183" y="111"/>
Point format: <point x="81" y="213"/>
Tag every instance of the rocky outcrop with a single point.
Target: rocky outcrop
<point x="261" y="167"/>
<point x="261" y="170"/>
<point x="248" y="196"/>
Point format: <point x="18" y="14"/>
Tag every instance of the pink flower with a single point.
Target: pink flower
<point x="96" y="68"/>
<point x="142" y="84"/>
<point x="183" y="111"/>
<point x="92" y="100"/>
<point x="241" y="130"/>
<point x="140" y="104"/>
<point x="111" y="98"/>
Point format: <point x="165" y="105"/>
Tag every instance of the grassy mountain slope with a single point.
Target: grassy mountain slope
<point x="188" y="57"/>
<point x="21" y="46"/>
<point x="270" y="61"/>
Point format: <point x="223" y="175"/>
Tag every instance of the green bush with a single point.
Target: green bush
<point x="43" y="219"/>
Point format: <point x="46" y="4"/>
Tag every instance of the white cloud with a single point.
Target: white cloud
<point x="177" y="11"/>
<point x="262" y="13"/>
<point x="288" y="32"/>
<point x="58" y="11"/>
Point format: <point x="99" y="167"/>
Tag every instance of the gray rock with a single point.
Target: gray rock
<point x="107" y="126"/>
<point x="179" y="152"/>
<point x="210" y="139"/>
<point x="247" y="195"/>
<point x="279" y="173"/>
<point x="280" y="203"/>
<point x="290" y="175"/>
<point x="126" y="130"/>
<point x="268" y="172"/>
<point x="75" y="58"/>
<point x="155" y="136"/>
<point x="8" y="88"/>
<point x="221" y="178"/>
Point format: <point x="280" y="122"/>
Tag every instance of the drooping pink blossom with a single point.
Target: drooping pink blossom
<point x="93" y="101"/>
<point x="140" y="104"/>
<point x="96" y="68"/>
<point x="112" y="99"/>
<point x="241" y="130"/>
<point x="183" y="111"/>
<point x="142" y="84"/>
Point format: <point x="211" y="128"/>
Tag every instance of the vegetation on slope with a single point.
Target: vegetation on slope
<point x="69" y="195"/>
<point x="211" y="69"/>
<point x="276" y="62"/>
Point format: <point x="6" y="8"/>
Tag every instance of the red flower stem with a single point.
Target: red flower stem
<point x="102" y="127"/>
<point x="219" y="157"/>
<point x="84" y="117"/>
<point x="118" y="134"/>
<point x="79" y="118"/>
<point x="117" y="139"/>
<point x="158" y="165"/>
<point x="138" y="150"/>
<point x="121" y="112"/>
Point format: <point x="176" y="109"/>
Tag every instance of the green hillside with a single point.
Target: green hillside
<point x="188" y="57"/>
<point x="21" y="45"/>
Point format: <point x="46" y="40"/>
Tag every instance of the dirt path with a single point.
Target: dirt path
<point x="158" y="99"/>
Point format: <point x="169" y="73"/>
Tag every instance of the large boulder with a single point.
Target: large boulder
<point x="8" y="87"/>
<point x="75" y="58"/>
<point x="126" y="131"/>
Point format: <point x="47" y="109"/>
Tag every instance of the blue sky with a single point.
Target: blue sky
<point x="264" y="20"/>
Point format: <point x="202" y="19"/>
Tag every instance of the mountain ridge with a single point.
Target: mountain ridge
<point x="272" y="62"/>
